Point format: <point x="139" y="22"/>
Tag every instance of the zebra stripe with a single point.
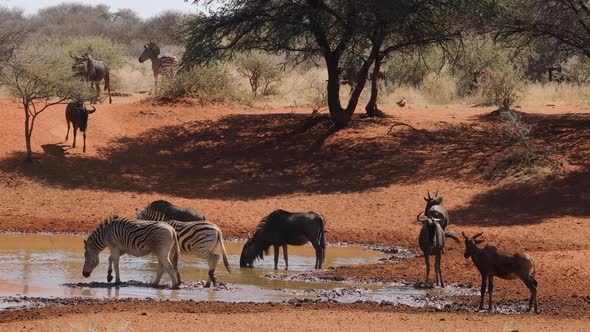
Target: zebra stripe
<point x="198" y="237"/>
<point x="166" y="65"/>
<point x="137" y="238"/>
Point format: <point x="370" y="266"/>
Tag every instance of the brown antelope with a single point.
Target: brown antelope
<point x="492" y="262"/>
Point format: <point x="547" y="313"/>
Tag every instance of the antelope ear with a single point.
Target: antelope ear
<point x="479" y="241"/>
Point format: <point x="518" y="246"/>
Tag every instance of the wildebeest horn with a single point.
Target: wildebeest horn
<point x="477" y="235"/>
<point x="93" y="108"/>
<point x="465" y="235"/>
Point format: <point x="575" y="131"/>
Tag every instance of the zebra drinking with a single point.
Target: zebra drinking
<point x="136" y="238"/>
<point x="161" y="65"/>
<point x="198" y="237"/>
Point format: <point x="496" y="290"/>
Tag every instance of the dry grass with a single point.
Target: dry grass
<point x="553" y="94"/>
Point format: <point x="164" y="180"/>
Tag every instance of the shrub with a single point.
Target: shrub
<point x="501" y="86"/>
<point x="208" y="84"/>
<point x="439" y="89"/>
<point x="525" y="159"/>
<point x="101" y="48"/>
<point x="411" y="69"/>
<point x="262" y="71"/>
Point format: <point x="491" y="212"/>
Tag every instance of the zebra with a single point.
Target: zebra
<point x="93" y="71"/>
<point x="198" y="237"/>
<point x="161" y="65"/>
<point x="137" y="238"/>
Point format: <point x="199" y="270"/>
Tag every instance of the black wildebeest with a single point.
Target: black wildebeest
<point x="93" y="71"/>
<point x="435" y="209"/>
<point x="492" y="262"/>
<point x="282" y="228"/>
<point x="171" y="211"/>
<point x="432" y="242"/>
<point x="77" y="115"/>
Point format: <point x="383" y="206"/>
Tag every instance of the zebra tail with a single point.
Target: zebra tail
<point x="452" y="236"/>
<point x="223" y="253"/>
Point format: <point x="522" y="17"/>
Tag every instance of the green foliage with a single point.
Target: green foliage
<point x="208" y="84"/>
<point x="101" y="48"/>
<point x="410" y="69"/>
<point x="41" y="71"/>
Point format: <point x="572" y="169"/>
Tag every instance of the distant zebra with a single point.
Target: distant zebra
<point x="161" y="65"/>
<point x="136" y="238"/>
<point x="199" y="237"/>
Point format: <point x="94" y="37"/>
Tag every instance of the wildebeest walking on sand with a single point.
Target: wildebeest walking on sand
<point x="282" y="228"/>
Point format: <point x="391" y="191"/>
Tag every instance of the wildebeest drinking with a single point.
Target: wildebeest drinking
<point x="281" y="228"/>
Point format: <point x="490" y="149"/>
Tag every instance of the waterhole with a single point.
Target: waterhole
<point x="40" y="265"/>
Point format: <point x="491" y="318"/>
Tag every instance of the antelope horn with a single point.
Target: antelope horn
<point x="420" y="219"/>
<point x="428" y="192"/>
<point x="465" y="235"/>
<point x="477" y="235"/>
<point x="436" y="193"/>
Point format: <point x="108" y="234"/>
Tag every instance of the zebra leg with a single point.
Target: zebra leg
<point x="276" y="249"/>
<point x="115" y="256"/>
<point x="285" y="256"/>
<point x="212" y="260"/>
<point x="110" y="271"/>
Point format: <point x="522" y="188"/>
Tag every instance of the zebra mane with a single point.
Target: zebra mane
<point x="96" y="238"/>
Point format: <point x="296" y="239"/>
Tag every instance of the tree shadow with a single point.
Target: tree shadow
<point x="567" y="135"/>
<point x="528" y="203"/>
<point x="257" y="156"/>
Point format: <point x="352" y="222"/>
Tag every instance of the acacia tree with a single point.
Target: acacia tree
<point x="565" y="22"/>
<point x="39" y="77"/>
<point x="304" y="29"/>
<point x="332" y="30"/>
<point x="412" y="25"/>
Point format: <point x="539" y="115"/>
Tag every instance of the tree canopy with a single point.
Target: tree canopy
<point x="327" y="29"/>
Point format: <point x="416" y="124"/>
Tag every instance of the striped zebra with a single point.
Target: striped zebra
<point x="136" y="238"/>
<point x="161" y="65"/>
<point x="198" y="237"/>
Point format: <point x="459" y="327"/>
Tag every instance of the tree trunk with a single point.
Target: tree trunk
<point x="28" y="134"/>
<point x="338" y="114"/>
<point x="371" y="107"/>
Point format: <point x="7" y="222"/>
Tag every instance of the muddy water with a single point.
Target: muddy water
<point x="38" y="265"/>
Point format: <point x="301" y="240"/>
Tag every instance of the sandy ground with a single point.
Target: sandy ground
<point x="248" y="317"/>
<point x="236" y="164"/>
